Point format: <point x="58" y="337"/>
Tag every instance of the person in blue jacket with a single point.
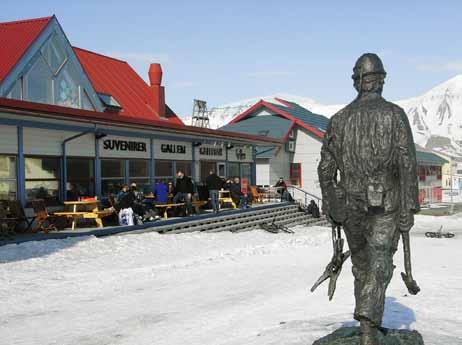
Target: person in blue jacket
<point x="160" y="191"/>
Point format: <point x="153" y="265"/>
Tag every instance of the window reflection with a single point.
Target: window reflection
<point x="112" y="175"/>
<point x="7" y="177"/>
<point x="66" y="87"/>
<point x="42" y="179"/>
<point x="80" y="178"/>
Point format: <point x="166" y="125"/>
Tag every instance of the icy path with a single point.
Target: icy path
<point x="212" y="289"/>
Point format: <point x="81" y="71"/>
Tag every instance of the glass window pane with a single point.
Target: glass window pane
<point x="164" y="168"/>
<point x="221" y="169"/>
<point x="42" y="168"/>
<point x="205" y="169"/>
<point x="112" y="168"/>
<point x="54" y="53"/>
<point x="86" y="103"/>
<point x="111" y="186"/>
<point x="7" y="167"/>
<point x="7" y="190"/>
<point x="138" y="168"/>
<point x="66" y="87"/>
<point x="38" y="83"/>
<point x="246" y="172"/>
<point x="47" y="190"/>
<point x="42" y="179"/>
<point x="16" y="91"/>
<point x="233" y="170"/>
<point x="186" y="167"/>
<point x="143" y="185"/>
<point x="80" y="180"/>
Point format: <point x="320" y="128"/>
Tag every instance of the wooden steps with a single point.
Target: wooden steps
<point x="245" y="220"/>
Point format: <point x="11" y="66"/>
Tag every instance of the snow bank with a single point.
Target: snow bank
<point x="218" y="289"/>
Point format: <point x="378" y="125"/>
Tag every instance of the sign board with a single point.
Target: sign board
<point x="452" y="196"/>
<point x="211" y="152"/>
<point x="124" y="147"/>
<point x="240" y="154"/>
<point x="172" y="150"/>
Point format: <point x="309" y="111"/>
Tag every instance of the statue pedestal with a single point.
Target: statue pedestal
<point x="351" y="335"/>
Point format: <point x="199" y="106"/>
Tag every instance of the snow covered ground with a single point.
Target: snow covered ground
<point x="213" y="289"/>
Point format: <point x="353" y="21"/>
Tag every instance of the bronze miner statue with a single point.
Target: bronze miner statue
<point x="369" y="186"/>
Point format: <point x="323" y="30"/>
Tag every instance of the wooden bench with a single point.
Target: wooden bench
<point x="167" y="207"/>
<point x="196" y="204"/>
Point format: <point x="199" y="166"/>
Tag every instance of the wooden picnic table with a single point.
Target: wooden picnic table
<point x="90" y="211"/>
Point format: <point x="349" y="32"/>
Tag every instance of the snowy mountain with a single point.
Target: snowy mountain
<point x="435" y="116"/>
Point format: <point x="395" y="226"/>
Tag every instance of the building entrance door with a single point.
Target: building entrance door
<point x="218" y="167"/>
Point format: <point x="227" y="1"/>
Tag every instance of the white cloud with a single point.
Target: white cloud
<point x="451" y="66"/>
<point x="145" y="58"/>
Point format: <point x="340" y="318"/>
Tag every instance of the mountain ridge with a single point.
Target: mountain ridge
<point x="435" y="116"/>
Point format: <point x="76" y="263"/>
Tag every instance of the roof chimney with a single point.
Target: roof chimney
<point x="157" y="100"/>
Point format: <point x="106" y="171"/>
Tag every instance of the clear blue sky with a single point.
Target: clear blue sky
<point x="224" y="51"/>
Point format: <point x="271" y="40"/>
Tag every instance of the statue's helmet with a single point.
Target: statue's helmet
<point x="368" y="63"/>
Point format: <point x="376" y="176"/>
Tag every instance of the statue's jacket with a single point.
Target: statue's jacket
<point x="368" y="158"/>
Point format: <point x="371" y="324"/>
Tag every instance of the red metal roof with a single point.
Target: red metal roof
<point x="108" y="75"/>
<point x="15" y="38"/>
<point x="117" y="78"/>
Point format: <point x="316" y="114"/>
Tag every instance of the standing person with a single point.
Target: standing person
<point x="184" y="189"/>
<point x="369" y="185"/>
<point x="214" y="184"/>
<point x="125" y="201"/>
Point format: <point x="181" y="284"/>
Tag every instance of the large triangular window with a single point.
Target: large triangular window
<point x="52" y="79"/>
<point x="54" y="54"/>
<point x="38" y="83"/>
<point x="66" y="88"/>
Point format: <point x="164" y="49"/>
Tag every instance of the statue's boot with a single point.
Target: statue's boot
<point x="369" y="333"/>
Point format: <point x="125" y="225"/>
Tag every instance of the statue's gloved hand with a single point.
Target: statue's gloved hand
<point x="336" y="214"/>
<point x="406" y="221"/>
<point x="335" y="208"/>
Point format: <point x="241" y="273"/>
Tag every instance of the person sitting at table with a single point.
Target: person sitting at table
<point x="140" y="211"/>
<point x="160" y="192"/>
<point x="228" y="183"/>
<point x="125" y="201"/>
<point x="239" y="198"/>
<point x="171" y="190"/>
<point x="184" y="189"/>
<point x="72" y="194"/>
<point x="282" y="189"/>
